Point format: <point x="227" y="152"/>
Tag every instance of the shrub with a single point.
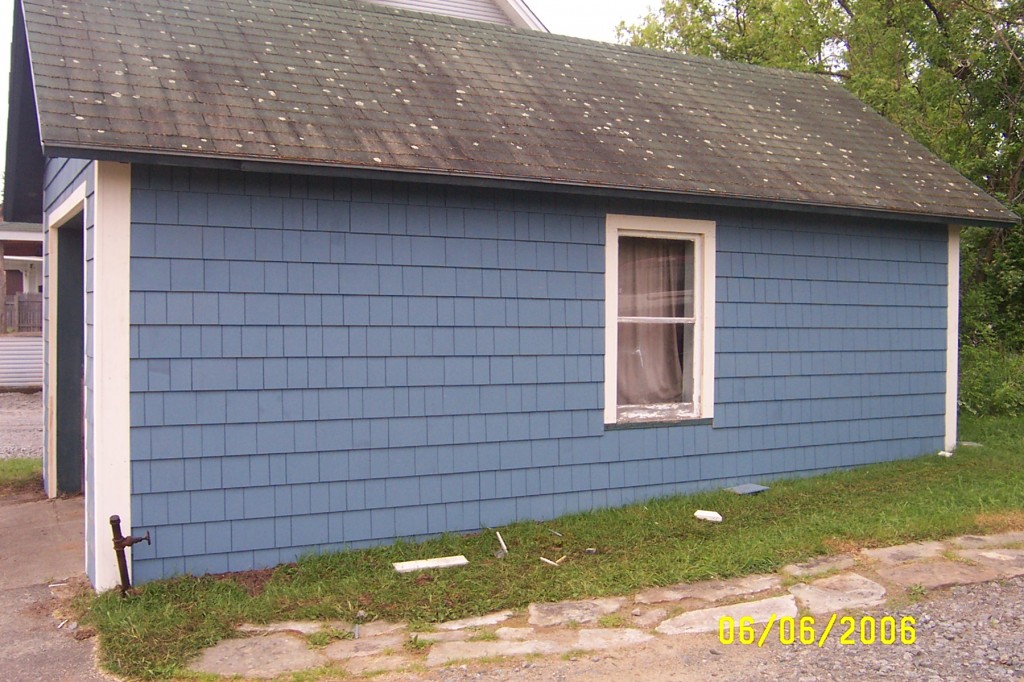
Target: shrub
<point x="991" y="381"/>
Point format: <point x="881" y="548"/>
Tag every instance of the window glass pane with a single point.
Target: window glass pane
<point x="655" y="363"/>
<point x="655" y="277"/>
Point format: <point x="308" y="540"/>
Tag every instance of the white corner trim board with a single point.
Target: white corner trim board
<point x="952" y="335"/>
<point x="111" y="419"/>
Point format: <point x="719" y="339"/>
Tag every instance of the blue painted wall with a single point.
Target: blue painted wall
<point x="321" y="363"/>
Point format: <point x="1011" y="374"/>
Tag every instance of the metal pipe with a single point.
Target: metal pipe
<point x="120" y="542"/>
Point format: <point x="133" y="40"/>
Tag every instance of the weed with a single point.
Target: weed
<point x="916" y="592"/>
<point x="613" y="620"/>
<point x="414" y="643"/>
<point x="328" y="635"/>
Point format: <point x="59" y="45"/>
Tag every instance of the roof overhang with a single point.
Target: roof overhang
<point x="23" y="176"/>
<point x="429" y="176"/>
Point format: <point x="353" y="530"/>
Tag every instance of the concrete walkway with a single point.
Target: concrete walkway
<point x="821" y="587"/>
<point x="41" y="546"/>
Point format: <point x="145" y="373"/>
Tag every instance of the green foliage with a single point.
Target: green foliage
<point x="949" y="72"/>
<point x="991" y="382"/>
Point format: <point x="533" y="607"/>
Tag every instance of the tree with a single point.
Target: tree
<point x="949" y="72"/>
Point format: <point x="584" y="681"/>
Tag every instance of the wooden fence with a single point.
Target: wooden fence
<point x="22" y="313"/>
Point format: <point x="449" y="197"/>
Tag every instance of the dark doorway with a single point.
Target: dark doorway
<point x="70" y="353"/>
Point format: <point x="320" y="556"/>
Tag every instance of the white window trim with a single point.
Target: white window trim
<point x="702" y="232"/>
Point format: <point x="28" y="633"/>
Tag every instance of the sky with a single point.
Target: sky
<point x="594" y="19"/>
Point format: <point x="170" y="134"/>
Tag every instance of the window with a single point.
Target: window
<point x="659" y="319"/>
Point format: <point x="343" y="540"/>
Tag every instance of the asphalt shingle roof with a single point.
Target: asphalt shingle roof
<point x="344" y="84"/>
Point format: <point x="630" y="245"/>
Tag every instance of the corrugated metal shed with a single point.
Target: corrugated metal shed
<point x="21" y="361"/>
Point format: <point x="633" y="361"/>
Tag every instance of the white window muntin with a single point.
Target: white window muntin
<point x="702" y="234"/>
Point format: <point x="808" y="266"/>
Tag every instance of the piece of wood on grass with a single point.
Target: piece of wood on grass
<point x="423" y="564"/>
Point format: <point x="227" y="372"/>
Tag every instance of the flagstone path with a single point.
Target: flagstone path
<point x="819" y="587"/>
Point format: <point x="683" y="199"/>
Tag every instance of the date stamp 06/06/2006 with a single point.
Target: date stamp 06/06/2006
<point x="863" y="630"/>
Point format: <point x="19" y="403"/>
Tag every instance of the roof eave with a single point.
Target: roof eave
<point x="433" y="176"/>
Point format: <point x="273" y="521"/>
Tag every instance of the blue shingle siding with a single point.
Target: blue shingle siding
<point x="326" y="363"/>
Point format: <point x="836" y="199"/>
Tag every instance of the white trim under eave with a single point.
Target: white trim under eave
<point x="54" y="218"/>
<point x="111" y="418"/>
<point x="520" y="15"/>
<point x="952" y="336"/>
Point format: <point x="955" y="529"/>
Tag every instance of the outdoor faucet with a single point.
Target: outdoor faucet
<point x="120" y="542"/>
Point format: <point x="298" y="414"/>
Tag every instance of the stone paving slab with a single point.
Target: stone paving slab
<point x="997" y="540"/>
<point x="650" y="618"/>
<point x="514" y="634"/>
<point x="706" y="620"/>
<point x="820" y="565"/>
<point x="446" y="652"/>
<point x="602" y="639"/>
<point x="370" y="664"/>
<point x="899" y="554"/>
<point x="379" y="627"/>
<point x="711" y="590"/>
<point x="477" y="622"/>
<point x="936" y="574"/>
<point x="364" y="646"/>
<point x="838" y="593"/>
<point x="580" y="612"/>
<point x="1008" y="563"/>
<point x="443" y="636"/>
<point x="302" y="627"/>
<point x="259" y="657"/>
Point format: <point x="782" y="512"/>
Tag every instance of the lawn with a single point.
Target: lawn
<point x="153" y="633"/>
<point x="20" y="474"/>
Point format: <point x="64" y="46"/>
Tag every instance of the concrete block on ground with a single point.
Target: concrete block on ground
<point x="562" y="613"/>
<point x="372" y="664"/>
<point x="364" y="646"/>
<point x="601" y="639"/>
<point x="839" y="592"/>
<point x="936" y="574"/>
<point x="820" y="565"/>
<point x="259" y="657"/>
<point x="445" y="652"/>
<point x="1008" y="563"/>
<point x="476" y="622"/>
<point x="706" y="620"/>
<point x="711" y="590"/>
<point x="915" y="551"/>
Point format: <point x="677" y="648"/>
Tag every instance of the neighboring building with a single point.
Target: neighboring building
<point x="21" y="258"/>
<point x="341" y="274"/>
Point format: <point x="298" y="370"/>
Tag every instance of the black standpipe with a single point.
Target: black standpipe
<point x="120" y="542"/>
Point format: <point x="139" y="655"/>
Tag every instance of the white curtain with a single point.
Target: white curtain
<point x="654" y="346"/>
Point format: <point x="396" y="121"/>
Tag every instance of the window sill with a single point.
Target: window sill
<point x="623" y="426"/>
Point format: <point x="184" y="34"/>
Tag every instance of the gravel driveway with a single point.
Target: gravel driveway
<point x="967" y="633"/>
<point x="21" y="425"/>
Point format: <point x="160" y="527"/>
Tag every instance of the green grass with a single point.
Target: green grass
<point x="20" y="474"/>
<point x="153" y="633"/>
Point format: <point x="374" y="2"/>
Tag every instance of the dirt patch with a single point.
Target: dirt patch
<point x="1001" y="522"/>
<point x="254" y="582"/>
<point x="841" y="545"/>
